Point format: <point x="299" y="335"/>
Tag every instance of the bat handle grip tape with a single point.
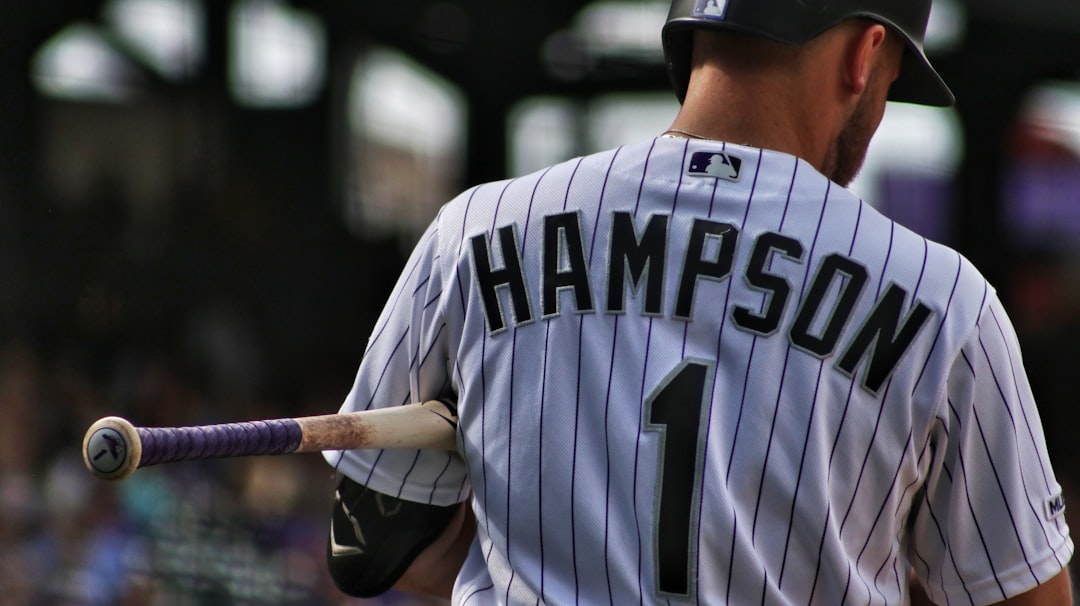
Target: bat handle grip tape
<point x="253" y="438"/>
<point x="114" y="448"/>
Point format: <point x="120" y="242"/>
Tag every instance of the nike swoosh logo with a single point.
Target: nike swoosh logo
<point x="337" y="549"/>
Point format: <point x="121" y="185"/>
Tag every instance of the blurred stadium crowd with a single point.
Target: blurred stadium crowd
<point x="204" y="320"/>
<point x="246" y="531"/>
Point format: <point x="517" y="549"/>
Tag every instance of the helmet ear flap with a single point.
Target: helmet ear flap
<point x="679" y="55"/>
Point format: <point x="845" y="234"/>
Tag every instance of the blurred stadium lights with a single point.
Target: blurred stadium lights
<point x="541" y="132"/>
<point x="546" y="130"/>
<point x="948" y="26"/>
<point x="167" y="35"/>
<point x="406" y="144"/>
<point x="277" y="54"/>
<point x="398" y="102"/>
<point x="606" y="32"/>
<point x="620" y="119"/>
<point x="623" y="29"/>
<point x="1052" y="110"/>
<point x="80" y="63"/>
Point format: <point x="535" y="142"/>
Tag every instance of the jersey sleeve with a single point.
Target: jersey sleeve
<point x="407" y="361"/>
<point x="991" y="523"/>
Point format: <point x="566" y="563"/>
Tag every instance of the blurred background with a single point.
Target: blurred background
<point x="203" y="204"/>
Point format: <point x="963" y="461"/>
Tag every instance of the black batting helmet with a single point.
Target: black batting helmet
<point x="798" y="21"/>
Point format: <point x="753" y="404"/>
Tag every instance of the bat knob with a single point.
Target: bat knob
<point x="111" y="448"/>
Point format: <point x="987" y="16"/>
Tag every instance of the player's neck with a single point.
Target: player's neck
<point x="775" y="119"/>
<point x="791" y="110"/>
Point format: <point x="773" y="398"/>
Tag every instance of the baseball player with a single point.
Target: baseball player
<point x="697" y="369"/>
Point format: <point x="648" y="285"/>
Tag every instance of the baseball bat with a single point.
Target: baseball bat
<point x="113" y="448"/>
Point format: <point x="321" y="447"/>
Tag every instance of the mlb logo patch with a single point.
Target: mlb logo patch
<point x="715" y="164"/>
<point x="713" y="9"/>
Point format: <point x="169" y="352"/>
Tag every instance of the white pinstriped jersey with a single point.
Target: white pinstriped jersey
<point x="690" y="371"/>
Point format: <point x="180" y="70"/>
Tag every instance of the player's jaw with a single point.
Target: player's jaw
<point x="854" y="139"/>
<point x="849" y="149"/>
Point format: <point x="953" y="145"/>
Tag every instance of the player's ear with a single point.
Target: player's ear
<point x="865" y="47"/>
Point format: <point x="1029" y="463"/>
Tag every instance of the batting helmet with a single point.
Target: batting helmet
<point x="798" y="21"/>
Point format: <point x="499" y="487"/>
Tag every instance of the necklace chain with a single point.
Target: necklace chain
<point x="685" y="133"/>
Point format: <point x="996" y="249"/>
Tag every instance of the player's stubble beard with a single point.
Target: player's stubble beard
<point x="854" y="138"/>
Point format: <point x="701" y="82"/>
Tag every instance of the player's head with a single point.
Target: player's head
<point x="795" y="22"/>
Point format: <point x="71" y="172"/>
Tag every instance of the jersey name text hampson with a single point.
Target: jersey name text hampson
<point x="636" y="261"/>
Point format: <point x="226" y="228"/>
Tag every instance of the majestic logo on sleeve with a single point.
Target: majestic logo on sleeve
<point x="714" y="164"/>
<point x="1055" y="506"/>
<point x="824" y="319"/>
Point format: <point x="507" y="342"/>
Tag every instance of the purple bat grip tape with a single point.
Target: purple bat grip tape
<point x="172" y="444"/>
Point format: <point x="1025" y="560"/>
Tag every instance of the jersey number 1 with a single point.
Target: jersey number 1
<point x="674" y="410"/>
